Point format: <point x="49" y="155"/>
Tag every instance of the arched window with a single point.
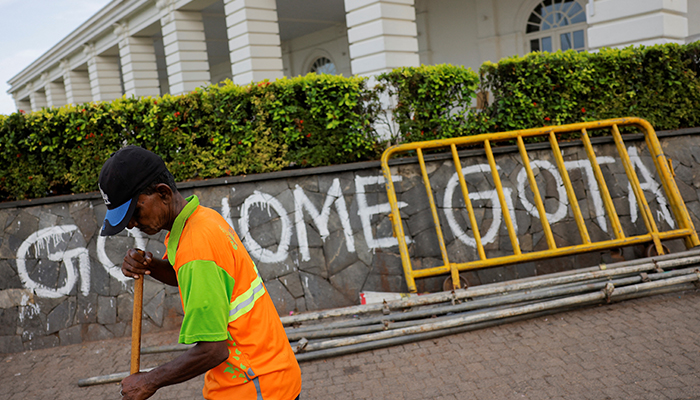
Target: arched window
<point x="557" y="25"/>
<point x="323" y="65"/>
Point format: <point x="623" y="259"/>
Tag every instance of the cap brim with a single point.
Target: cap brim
<point x="118" y="218"/>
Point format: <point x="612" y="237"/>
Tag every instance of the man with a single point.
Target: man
<point x="239" y="340"/>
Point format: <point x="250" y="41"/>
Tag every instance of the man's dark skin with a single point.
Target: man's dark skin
<point x="154" y="213"/>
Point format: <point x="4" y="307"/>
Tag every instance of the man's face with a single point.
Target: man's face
<point x="151" y="214"/>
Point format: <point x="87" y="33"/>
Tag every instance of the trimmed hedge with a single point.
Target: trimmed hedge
<point x="433" y="101"/>
<point x="211" y="132"/>
<point x="320" y="120"/>
<point x="657" y="83"/>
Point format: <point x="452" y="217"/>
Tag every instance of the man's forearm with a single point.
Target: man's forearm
<point x="163" y="271"/>
<point x="194" y="362"/>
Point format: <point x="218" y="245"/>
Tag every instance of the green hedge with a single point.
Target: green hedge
<point x="433" y="101"/>
<point x="320" y="120"/>
<point x="657" y="83"/>
<point x="215" y="131"/>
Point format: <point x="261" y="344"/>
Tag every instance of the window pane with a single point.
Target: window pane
<point x="547" y="44"/>
<point x="323" y="66"/>
<point x="576" y="13"/>
<point x="328" y="68"/>
<point x="533" y="23"/>
<point x="579" y="42"/>
<point x="565" y="41"/>
<point x="547" y="11"/>
<point x="562" y="20"/>
<point x="548" y="22"/>
<point x="538" y="10"/>
<point x="567" y="5"/>
<point x="557" y="15"/>
<point x="579" y="18"/>
<point x="575" y="9"/>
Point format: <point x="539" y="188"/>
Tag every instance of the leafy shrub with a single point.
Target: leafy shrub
<point x="211" y="132"/>
<point x="433" y="101"/>
<point x="319" y="120"/>
<point x="657" y="83"/>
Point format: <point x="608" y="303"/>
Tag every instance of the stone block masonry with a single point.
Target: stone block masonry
<point x="321" y="236"/>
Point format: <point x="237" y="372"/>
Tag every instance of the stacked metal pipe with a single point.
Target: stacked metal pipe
<point x="334" y="332"/>
<point x="340" y="331"/>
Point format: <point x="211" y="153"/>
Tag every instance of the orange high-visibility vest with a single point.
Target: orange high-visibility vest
<point x="224" y="298"/>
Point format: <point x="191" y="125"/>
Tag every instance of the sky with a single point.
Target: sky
<point x="29" y="28"/>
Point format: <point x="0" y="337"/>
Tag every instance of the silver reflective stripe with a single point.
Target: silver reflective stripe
<point x="250" y="374"/>
<point x="247" y="303"/>
<point x="256" y="382"/>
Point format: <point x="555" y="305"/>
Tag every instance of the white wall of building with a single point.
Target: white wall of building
<point x="458" y="32"/>
<point x="299" y="54"/>
<point x="471" y="32"/>
<point x="693" y="21"/>
<point x="619" y="23"/>
<point x="446" y="28"/>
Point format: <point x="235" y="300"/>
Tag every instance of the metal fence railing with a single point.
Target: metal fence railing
<point x="685" y="228"/>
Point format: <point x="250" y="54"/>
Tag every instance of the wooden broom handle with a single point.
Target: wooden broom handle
<point x="136" y="324"/>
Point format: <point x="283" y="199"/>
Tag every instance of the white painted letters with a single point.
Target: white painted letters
<point x="647" y="182"/>
<point x="259" y="199"/>
<point x="46" y="243"/>
<point x="492" y="195"/>
<point x="301" y="202"/>
<point x="46" y="239"/>
<point x="112" y="268"/>
<point x="366" y="212"/>
<point x="560" y="213"/>
<point x="593" y="188"/>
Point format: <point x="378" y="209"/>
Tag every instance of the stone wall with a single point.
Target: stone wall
<point x="320" y="236"/>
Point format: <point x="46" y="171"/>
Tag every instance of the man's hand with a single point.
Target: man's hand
<point x="136" y="387"/>
<point x="197" y="360"/>
<point x="138" y="262"/>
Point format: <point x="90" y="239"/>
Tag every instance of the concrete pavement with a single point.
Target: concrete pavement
<point x="646" y="348"/>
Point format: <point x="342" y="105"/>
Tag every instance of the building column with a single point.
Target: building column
<point x="618" y="23"/>
<point x="77" y="84"/>
<point x="185" y="48"/>
<point x="254" y="40"/>
<point x="55" y="92"/>
<point x="138" y="62"/>
<point x="37" y="98"/>
<point x="382" y="35"/>
<point x="22" y="104"/>
<point x="105" y="80"/>
<point x="487" y="30"/>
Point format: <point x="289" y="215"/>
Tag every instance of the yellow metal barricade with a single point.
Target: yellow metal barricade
<point x="685" y="230"/>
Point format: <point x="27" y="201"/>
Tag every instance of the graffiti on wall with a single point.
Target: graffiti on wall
<point x="51" y="243"/>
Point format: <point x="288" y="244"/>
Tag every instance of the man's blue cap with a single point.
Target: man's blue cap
<point x="124" y="176"/>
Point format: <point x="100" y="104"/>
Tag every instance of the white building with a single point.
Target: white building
<point x="149" y="48"/>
